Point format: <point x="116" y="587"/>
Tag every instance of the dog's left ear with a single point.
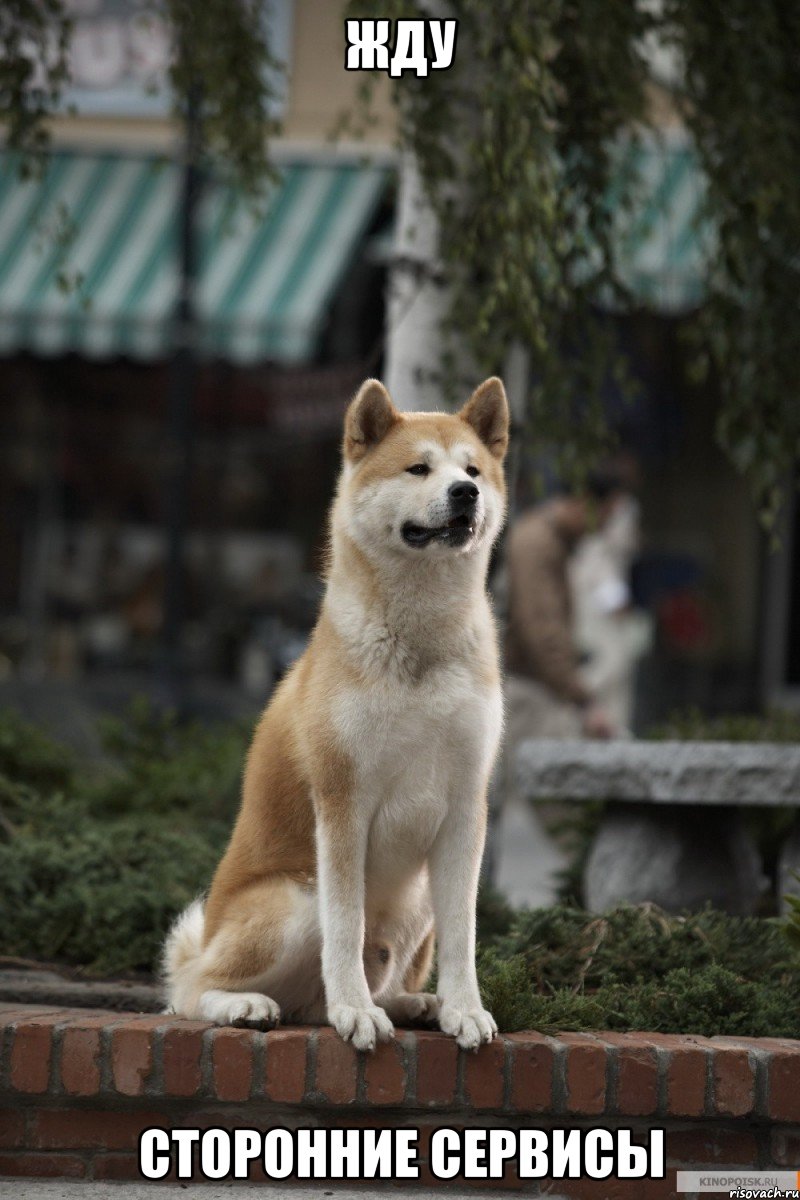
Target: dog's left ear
<point x="369" y="418"/>
<point x="487" y="412"/>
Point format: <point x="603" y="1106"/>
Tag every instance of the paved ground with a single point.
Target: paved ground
<point x="527" y="858"/>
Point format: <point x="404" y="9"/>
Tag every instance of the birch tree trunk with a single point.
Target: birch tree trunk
<point x="417" y="298"/>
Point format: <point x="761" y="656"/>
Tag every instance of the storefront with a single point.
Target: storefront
<point x="289" y="313"/>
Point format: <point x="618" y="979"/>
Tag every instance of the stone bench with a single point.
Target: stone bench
<point x="672" y="832"/>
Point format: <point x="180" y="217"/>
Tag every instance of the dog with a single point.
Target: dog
<point x="363" y="812"/>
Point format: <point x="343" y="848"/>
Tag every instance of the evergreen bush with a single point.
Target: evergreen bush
<point x="96" y="860"/>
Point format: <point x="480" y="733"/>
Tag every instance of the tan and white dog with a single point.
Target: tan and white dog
<point x="364" y="802"/>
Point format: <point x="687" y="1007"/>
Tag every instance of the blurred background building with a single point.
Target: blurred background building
<point x="289" y="315"/>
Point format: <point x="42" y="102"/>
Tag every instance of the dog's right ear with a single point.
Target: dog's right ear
<point x="369" y="418"/>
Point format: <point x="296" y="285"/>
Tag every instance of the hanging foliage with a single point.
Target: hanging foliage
<point x="222" y="48"/>
<point x="742" y="105"/>
<point x="516" y="147"/>
<point x="34" y="39"/>
<point x="221" y="53"/>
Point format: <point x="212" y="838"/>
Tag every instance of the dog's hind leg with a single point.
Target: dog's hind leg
<point x="411" y="1004"/>
<point x="252" y="1009"/>
<point x="261" y="959"/>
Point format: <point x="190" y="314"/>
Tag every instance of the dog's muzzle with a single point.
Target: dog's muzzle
<point x="462" y="498"/>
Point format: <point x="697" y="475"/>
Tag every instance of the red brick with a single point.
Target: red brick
<point x="116" y="1166"/>
<point x="784" y="1085"/>
<point x="87" y="1129"/>
<point x="660" y="1189"/>
<point x="131" y="1058"/>
<point x="436" y="1187"/>
<point x="80" y="1061"/>
<point x="285" y="1079"/>
<point x="337" y="1067"/>
<point x="12" y="1013"/>
<point x="437" y="1063"/>
<point x="610" y="1189"/>
<point x="182" y="1048"/>
<point x="585" y="1074"/>
<point x="734" y="1083"/>
<point x="385" y="1073"/>
<point x="484" y="1084"/>
<point x="80" y="1015"/>
<point x="723" y="1042"/>
<point x="532" y="1062"/>
<point x="31" y="1054"/>
<point x="424" y="1129"/>
<point x="50" y="1166"/>
<point x="637" y="1074"/>
<point x="232" y="1063"/>
<point x="687" y="1072"/>
<point x="12" y="1128"/>
<point x="712" y="1146"/>
<point x="785" y="1148"/>
<point x="81" y="1018"/>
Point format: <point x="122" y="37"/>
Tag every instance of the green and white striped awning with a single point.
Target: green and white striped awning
<point x="88" y="257"/>
<point x="663" y="246"/>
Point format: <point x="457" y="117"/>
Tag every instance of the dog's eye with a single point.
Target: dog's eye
<point x="419" y="469"/>
<point x="472" y="471"/>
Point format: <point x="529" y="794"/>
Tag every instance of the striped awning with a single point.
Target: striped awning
<point x="663" y="245"/>
<point x="88" y="257"/>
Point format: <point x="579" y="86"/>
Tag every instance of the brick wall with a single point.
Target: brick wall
<point x="78" y="1086"/>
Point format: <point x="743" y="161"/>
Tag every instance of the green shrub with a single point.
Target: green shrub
<point x="637" y="968"/>
<point x="567" y="947"/>
<point x="95" y="863"/>
<point x="30" y="756"/>
<point x="96" y="860"/>
<point x="100" y="894"/>
<point x="160" y="765"/>
<point x="709" y="1002"/>
<point x="692" y="725"/>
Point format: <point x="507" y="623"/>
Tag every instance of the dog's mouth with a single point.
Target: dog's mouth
<point x="456" y="532"/>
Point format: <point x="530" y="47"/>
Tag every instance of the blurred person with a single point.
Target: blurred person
<point x="547" y="695"/>
<point x="611" y="634"/>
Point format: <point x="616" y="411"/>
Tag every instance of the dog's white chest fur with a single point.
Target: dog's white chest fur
<point x="414" y="748"/>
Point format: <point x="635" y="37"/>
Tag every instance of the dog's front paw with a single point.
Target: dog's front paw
<point x="469" y="1026"/>
<point x="361" y="1026"/>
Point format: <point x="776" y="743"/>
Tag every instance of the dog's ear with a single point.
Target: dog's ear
<point x="369" y="418"/>
<point x="487" y="412"/>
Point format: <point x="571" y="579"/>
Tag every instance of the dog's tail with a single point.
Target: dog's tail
<point x="182" y="950"/>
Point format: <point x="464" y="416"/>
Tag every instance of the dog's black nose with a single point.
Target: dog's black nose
<point x="462" y="494"/>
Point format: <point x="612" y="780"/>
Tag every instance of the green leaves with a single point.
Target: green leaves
<point x="637" y="968"/>
<point x="514" y="148"/>
<point x="516" y="145"/>
<point x="222" y="55"/>
<point x="97" y="859"/>
<point x="791" y="925"/>
<point x="222" y="48"/>
<point x="34" y="36"/>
